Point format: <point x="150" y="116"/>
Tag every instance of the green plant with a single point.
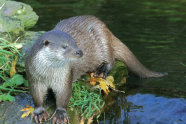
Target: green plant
<point x="183" y="64"/>
<point x="8" y="52"/>
<point x="86" y="100"/>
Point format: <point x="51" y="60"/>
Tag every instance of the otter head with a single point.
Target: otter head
<point x="59" y="47"/>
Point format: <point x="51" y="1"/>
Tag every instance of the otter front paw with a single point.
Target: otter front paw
<point x="102" y="70"/>
<point x="39" y="115"/>
<point x="60" y="116"/>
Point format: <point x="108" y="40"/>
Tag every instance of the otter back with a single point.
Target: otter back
<point x="75" y="46"/>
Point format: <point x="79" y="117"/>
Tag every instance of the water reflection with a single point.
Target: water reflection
<point x="147" y="109"/>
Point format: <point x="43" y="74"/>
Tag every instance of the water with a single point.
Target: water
<point x="156" y="32"/>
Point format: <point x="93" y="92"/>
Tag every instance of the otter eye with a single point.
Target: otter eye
<point x="64" y="46"/>
<point x="46" y="42"/>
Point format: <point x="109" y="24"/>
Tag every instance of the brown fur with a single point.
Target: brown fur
<point x="99" y="45"/>
<point x="51" y="66"/>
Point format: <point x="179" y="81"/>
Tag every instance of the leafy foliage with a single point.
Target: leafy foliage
<point x="8" y="58"/>
<point x="6" y="97"/>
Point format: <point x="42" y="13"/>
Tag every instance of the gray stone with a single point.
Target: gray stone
<point x="10" y="111"/>
<point x="15" y="17"/>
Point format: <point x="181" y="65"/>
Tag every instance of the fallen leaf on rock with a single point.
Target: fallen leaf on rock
<point x="27" y="111"/>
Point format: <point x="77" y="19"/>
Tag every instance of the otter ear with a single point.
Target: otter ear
<point x="46" y="42"/>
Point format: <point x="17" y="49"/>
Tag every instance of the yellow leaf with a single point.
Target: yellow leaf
<point x="92" y="83"/>
<point x="82" y="121"/>
<point x="103" y="85"/>
<point x="90" y="120"/>
<point x="25" y="114"/>
<point x="27" y="111"/>
<point x="110" y="80"/>
<point x="92" y="79"/>
<point x="12" y="68"/>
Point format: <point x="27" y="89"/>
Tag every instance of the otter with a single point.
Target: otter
<point x="60" y="56"/>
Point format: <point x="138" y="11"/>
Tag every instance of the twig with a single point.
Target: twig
<point x="117" y="90"/>
<point x="16" y="40"/>
<point x="2" y="6"/>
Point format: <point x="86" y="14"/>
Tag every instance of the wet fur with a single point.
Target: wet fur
<point x="99" y="46"/>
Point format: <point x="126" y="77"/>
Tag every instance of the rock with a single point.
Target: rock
<point x="10" y="111"/>
<point x="15" y="17"/>
<point x="29" y="38"/>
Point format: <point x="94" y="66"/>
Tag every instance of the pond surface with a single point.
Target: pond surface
<point x="156" y="33"/>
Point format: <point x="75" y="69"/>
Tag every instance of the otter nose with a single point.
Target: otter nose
<point x="79" y="53"/>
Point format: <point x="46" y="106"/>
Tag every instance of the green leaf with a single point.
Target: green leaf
<point x="16" y="80"/>
<point x="6" y="97"/>
<point x="11" y="89"/>
<point x="26" y="83"/>
<point x="183" y="64"/>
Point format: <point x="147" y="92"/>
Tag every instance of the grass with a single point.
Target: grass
<point x="87" y="100"/>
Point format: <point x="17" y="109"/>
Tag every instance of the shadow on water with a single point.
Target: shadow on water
<point x="155" y="31"/>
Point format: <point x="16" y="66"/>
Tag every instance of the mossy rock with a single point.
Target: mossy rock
<point x="15" y="17"/>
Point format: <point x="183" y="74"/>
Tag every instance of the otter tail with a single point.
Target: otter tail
<point x="122" y="52"/>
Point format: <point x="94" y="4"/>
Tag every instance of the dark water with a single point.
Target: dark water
<point x="156" y="32"/>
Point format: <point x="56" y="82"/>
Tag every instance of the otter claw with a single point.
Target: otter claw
<point x="60" y="116"/>
<point x="38" y="118"/>
<point x="39" y="115"/>
<point x="102" y="70"/>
